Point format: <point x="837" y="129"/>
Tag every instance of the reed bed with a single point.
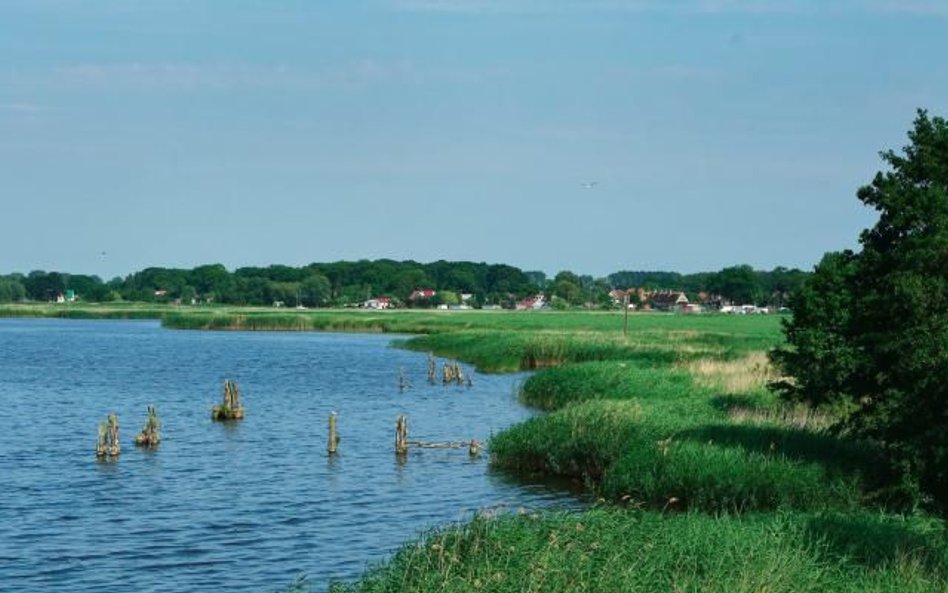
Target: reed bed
<point x="681" y="448"/>
<point x="605" y="550"/>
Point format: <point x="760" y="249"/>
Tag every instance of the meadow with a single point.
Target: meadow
<point x="702" y="479"/>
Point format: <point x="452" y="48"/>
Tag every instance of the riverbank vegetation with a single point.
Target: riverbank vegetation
<point x="707" y="481"/>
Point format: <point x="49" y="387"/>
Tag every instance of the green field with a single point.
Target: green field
<point x="706" y="482"/>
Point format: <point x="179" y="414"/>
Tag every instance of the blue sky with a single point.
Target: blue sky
<point x="140" y="133"/>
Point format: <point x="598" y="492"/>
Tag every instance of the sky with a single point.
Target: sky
<point x="588" y="135"/>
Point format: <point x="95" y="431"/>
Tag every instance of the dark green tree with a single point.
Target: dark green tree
<point x="738" y="284"/>
<point x="884" y="313"/>
<point x="821" y="358"/>
<point x="11" y="290"/>
<point x="900" y="318"/>
<point x="568" y="286"/>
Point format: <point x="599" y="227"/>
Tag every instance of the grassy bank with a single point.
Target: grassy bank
<point x="606" y="550"/>
<point x="711" y="484"/>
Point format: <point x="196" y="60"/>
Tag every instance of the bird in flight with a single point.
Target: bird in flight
<point x="590" y="184"/>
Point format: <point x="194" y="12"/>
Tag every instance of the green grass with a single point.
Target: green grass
<point x="606" y="550"/>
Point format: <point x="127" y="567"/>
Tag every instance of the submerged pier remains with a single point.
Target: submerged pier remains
<point x="150" y="435"/>
<point x="333" y="444"/>
<point x="231" y="407"/>
<point x="107" y="444"/>
<point x="402" y="443"/>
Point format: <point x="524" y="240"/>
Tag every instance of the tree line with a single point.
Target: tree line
<point x="349" y="283"/>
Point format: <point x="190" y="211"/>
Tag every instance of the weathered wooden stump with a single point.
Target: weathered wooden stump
<point x="231" y="408"/>
<point x="107" y="445"/>
<point x="333" y="436"/>
<point x="150" y="435"/>
<point x="401" y="435"/>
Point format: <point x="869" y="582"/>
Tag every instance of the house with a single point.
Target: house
<point x="667" y="300"/>
<point x="421" y="295"/>
<point x="531" y="303"/>
<point x="379" y="303"/>
<point x="620" y="296"/>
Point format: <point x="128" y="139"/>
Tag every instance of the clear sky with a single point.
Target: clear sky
<point x="588" y="135"/>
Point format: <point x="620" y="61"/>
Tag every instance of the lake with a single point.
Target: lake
<point x="241" y="506"/>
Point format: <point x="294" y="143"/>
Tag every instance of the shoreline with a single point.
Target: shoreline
<point x="673" y="429"/>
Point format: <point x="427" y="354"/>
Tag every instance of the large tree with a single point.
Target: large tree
<point x="884" y="310"/>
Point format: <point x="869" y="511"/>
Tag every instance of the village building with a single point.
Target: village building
<point x="667" y="300"/>
<point x="421" y="295"/>
<point x="532" y="303"/>
<point x="379" y="303"/>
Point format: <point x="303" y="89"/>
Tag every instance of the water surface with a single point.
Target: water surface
<point x="236" y="507"/>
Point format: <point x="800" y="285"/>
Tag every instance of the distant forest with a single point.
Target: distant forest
<point x="350" y="283"/>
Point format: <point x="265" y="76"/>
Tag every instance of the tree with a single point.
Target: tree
<point x="822" y="358"/>
<point x="11" y="290"/>
<point x="315" y="290"/>
<point x="738" y="284"/>
<point x="568" y="286"/>
<point x="894" y="331"/>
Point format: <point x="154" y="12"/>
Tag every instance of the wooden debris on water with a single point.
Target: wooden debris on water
<point x="402" y="443"/>
<point x="231" y="408"/>
<point x="150" y="435"/>
<point x="107" y="444"/>
<point x="333" y="435"/>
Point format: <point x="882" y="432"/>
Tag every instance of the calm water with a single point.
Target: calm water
<point x="243" y="507"/>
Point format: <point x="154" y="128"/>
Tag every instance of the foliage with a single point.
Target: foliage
<point x="614" y="550"/>
<point x="820" y="359"/>
<point x="872" y="327"/>
<point x="737" y="284"/>
<point x="11" y="289"/>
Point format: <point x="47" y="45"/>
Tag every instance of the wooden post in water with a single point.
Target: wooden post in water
<point x="432" y="368"/>
<point x="403" y="382"/>
<point x="150" y="436"/>
<point x="108" y="444"/>
<point x="401" y="435"/>
<point x="333" y="437"/>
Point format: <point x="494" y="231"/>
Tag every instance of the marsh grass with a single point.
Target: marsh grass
<point x="732" y="376"/>
<point x="606" y="550"/>
<point x="682" y="447"/>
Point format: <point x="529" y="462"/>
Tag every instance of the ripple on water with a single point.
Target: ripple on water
<point x="236" y="507"/>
